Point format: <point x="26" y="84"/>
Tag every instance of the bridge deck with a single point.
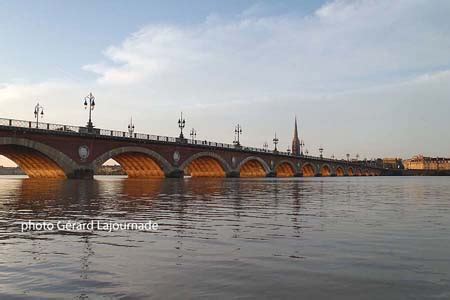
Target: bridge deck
<point x="232" y="158"/>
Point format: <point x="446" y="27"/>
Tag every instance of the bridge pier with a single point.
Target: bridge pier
<point x="298" y="175"/>
<point x="81" y="174"/>
<point x="271" y="174"/>
<point x="233" y="174"/>
<point x="177" y="173"/>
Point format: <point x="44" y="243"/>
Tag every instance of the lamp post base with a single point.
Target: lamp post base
<point x="90" y="127"/>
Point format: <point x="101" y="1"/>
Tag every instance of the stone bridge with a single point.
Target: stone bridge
<point x="60" y="151"/>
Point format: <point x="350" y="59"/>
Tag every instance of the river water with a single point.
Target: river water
<point x="299" y="238"/>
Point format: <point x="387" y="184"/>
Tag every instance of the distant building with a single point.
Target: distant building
<point x="420" y="162"/>
<point x="393" y="163"/>
<point x="11" y="171"/>
<point x="296" y="147"/>
<point x="110" y="170"/>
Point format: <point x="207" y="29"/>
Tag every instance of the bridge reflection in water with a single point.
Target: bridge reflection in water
<point x="93" y="198"/>
<point x="214" y="228"/>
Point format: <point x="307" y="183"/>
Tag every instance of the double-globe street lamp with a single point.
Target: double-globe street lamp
<point x="38" y="110"/>
<point x="89" y="101"/>
<point x="131" y="127"/>
<point x="181" y="125"/>
<point x="193" y="135"/>
<point x="275" y="142"/>
<point x="238" y="132"/>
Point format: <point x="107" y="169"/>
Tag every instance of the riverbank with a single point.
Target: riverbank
<point x="416" y="173"/>
<point x="11" y="171"/>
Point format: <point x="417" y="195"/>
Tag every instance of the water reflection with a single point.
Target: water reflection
<point x="44" y="199"/>
<point x="228" y="238"/>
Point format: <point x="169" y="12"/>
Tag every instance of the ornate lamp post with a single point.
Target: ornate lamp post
<point x="275" y="142"/>
<point x="348" y="156"/>
<point x="89" y="100"/>
<point x="265" y="146"/>
<point x="181" y="125"/>
<point x="302" y="144"/>
<point x="321" y="152"/>
<point x="237" y="132"/>
<point x="131" y="127"/>
<point x="193" y="134"/>
<point x="288" y="151"/>
<point x="38" y="110"/>
<point x="332" y="156"/>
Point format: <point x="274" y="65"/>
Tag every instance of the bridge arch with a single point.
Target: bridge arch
<point x="205" y="164"/>
<point x="325" y="170"/>
<point x="253" y="166"/>
<point x="285" y="168"/>
<point x="339" y="171"/>
<point x="350" y="171"/>
<point x="137" y="162"/>
<point x="309" y="170"/>
<point x="36" y="159"/>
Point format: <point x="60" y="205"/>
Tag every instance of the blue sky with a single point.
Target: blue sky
<point x="43" y="38"/>
<point x="367" y="77"/>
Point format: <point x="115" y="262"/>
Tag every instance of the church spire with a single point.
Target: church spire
<point x="295" y="141"/>
<point x="295" y="129"/>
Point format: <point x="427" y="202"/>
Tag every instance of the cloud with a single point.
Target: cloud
<point x="62" y="100"/>
<point x="19" y="91"/>
<point x="343" y="45"/>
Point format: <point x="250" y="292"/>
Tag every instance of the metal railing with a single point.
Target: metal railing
<point x="41" y="126"/>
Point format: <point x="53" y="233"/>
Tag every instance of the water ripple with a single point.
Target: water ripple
<point x="348" y="238"/>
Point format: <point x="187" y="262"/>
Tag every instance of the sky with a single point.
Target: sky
<point x="363" y="77"/>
